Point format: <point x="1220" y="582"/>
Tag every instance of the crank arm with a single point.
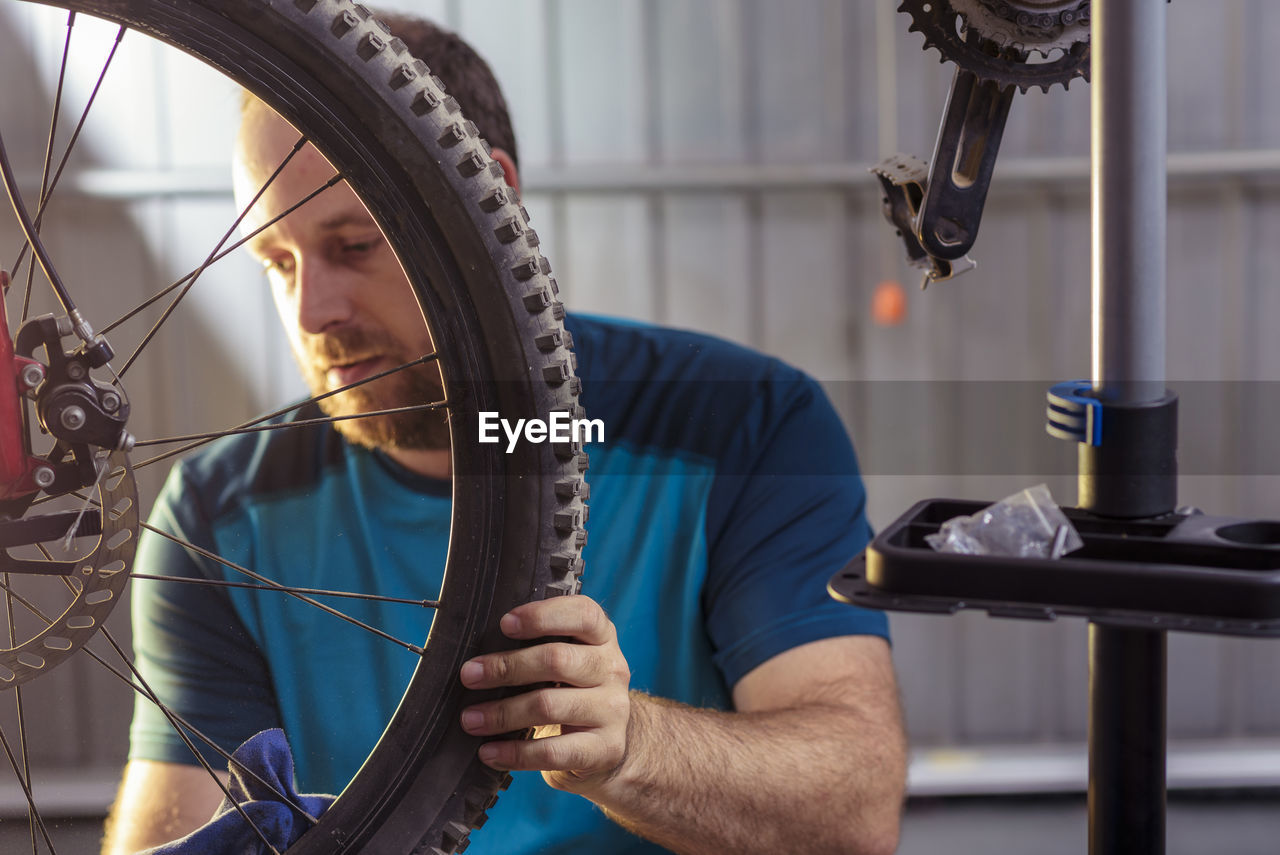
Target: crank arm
<point x="964" y="159"/>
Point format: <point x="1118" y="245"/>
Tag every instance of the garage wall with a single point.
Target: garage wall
<point x="703" y="163"/>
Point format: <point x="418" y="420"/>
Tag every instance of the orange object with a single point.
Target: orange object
<point x="889" y="304"/>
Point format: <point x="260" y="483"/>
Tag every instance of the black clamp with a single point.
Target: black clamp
<point x="1128" y="451"/>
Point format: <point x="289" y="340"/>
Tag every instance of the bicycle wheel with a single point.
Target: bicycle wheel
<point x="389" y="128"/>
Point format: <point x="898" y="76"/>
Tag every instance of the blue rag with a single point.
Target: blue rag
<point x="261" y="773"/>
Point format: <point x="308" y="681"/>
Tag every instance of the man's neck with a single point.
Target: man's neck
<point x="433" y="463"/>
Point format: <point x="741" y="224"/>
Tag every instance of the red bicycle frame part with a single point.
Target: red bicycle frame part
<point x="16" y="465"/>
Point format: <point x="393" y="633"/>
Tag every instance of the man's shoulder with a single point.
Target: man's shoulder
<point x="624" y="350"/>
<point x="684" y="391"/>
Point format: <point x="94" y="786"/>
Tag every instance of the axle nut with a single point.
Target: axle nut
<point x="72" y="418"/>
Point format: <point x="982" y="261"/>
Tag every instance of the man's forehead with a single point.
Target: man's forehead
<point x="265" y="144"/>
<point x="271" y="169"/>
<point x="264" y="138"/>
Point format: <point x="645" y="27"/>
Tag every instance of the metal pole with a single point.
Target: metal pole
<point x="1127" y="666"/>
<point x="1129" y="197"/>
<point x="1126" y="741"/>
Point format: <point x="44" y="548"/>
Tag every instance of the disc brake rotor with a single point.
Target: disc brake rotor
<point x="92" y="576"/>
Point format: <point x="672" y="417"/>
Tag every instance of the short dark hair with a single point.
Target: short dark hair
<point x="465" y="74"/>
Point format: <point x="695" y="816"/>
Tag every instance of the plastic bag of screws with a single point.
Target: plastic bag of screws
<point x="1028" y="524"/>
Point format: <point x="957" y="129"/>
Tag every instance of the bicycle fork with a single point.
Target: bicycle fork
<point x="21" y="473"/>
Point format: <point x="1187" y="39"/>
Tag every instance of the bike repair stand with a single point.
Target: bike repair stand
<point x="1144" y="568"/>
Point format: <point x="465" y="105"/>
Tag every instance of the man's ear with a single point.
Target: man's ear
<point x="508" y="168"/>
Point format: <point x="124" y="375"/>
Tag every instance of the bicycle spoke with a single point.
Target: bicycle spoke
<point x="30" y="228"/>
<point x="314" y="592"/>
<point x="26" y="757"/>
<point x="75" y="136"/>
<point x="48" y="155"/>
<point x="323" y="420"/>
<point x="256" y="424"/>
<point x="27" y="604"/>
<point x="179" y="725"/>
<point x="24" y="776"/>
<point x="195" y="275"/>
<point x="26" y="791"/>
<point x="9" y="597"/>
<point x="22" y="726"/>
<point x="147" y="692"/>
<point x="183" y="281"/>
<point x="142" y="688"/>
<point x="204" y="553"/>
<point x="303" y="594"/>
<point x="422" y="360"/>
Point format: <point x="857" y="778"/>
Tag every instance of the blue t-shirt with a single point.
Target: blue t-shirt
<point x="724" y="495"/>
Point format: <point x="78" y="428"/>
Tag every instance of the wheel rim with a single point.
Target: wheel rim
<point x="368" y="811"/>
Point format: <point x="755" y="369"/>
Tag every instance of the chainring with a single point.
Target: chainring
<point x="1042" y="26"/>
<point x="994" y="39"/>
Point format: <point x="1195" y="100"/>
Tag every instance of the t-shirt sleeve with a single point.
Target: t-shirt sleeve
<point x="787" y="512"/>
<point x="190" y="646"/>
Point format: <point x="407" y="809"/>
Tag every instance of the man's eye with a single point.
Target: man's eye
<point x="363" y="247"/>
<point x="283" y="264"/>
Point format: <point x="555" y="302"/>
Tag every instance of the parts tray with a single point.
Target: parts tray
<point x="1190" y="572"/>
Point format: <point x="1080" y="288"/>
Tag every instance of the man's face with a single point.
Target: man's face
<point x="344" y="300"/>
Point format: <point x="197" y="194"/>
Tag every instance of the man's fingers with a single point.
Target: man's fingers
<point x="589" y="700"/>
<point x="583" y="753"/>
<point x="593" y="661"/>
<point x="568" y="707"/>
<point x="577" y="617"/>
<point x="556" y="662"/>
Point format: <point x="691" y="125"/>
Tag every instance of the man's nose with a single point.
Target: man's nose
<point x="323" y="295"/>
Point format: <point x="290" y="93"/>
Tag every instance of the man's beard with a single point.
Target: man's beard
<point x="418" y="384"/>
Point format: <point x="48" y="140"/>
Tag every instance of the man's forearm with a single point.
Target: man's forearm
<point x="159" y="802"/>
<point x="703" y="781"/>
<point x="815" y="751"/>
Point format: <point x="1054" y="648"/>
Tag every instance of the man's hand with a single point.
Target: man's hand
<point x="815" y="742"/>
<point x="585" y="713"/>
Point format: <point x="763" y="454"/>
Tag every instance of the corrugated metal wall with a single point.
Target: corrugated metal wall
<point x="702" y="163"/>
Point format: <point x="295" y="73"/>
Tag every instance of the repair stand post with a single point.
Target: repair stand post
<point x="1127" y="667"/>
